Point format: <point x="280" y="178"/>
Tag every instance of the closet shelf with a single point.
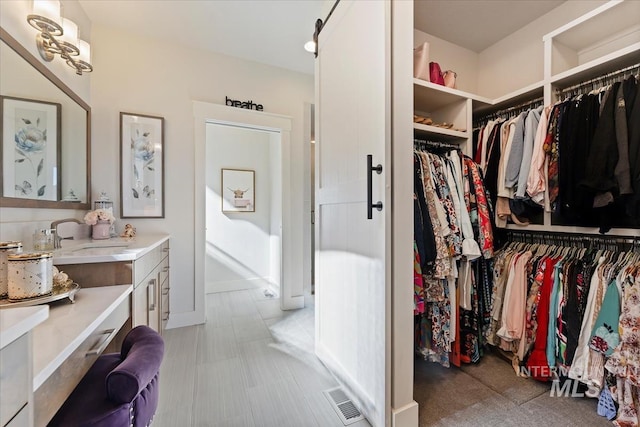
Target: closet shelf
<point x="627" y="56"/>
<point x="429" y="96"/>
<point x="527" y="93"/>
<point x="449" y="135"/>
<point x="610" y="21"/>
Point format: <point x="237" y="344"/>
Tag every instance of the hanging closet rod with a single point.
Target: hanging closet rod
<point x="516" y="109"/>
<point x="560" y="239"/>
<point x="632" y="69"/>
<point x="424" y="144"/>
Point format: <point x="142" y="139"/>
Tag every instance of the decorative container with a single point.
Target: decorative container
<point x="29" y="275"/>
<point x="44" y="239"/>
<point x="6" y="248"/>
<point x="101" y="230"/>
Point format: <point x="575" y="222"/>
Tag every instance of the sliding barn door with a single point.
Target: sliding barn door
<point x="352" y="164"/>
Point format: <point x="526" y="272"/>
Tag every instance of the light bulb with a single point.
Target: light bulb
<point x="310" y="46"/>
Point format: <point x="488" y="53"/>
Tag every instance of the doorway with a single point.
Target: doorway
<point x="289" y="238"/>
<point x="243" y="224"/>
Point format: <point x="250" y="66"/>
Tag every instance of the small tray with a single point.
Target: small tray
<point x="56" y="295"/>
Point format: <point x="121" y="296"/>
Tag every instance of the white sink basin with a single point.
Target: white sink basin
<point x="94" y="246"/>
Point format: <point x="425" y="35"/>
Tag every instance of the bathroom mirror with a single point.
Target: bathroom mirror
<point x="45" y="149"/>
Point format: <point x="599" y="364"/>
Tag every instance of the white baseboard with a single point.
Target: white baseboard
<point x="293" y="303"/>
<point x="407" y="416"/>
<point x="238" y="285"/>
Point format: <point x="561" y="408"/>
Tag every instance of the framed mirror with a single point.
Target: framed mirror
<point x="45" y="149"/>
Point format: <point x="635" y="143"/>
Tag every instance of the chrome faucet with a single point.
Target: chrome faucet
<point x="58" y="239"/>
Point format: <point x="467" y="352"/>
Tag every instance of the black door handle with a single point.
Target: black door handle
<point x="370" y="170"/>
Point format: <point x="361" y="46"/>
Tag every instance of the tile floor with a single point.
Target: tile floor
<point x="250" y="365"/>
<point x="489" y="394"/>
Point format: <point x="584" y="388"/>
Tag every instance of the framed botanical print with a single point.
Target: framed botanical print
<point x="141" y="166"/>
<point x="30" y="152"/>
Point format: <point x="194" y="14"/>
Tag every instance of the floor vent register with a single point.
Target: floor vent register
<point x="343" y="406"/>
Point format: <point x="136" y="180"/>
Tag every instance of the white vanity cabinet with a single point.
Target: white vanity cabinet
<point x="151" y="288"/>
<point x="142" y="262"/>
<point x="16" y="371"/>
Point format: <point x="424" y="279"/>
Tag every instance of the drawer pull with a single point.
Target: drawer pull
<point x="151" y="294"/>
<point x="165" y="317"/>
<point x="165" y="269"/>
<point x="102" y="344"/>
<point x="165" y="250"/>
<point x="165" y="291"/>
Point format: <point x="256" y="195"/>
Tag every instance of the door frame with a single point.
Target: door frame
<point x="273" y="278"/>
<point x="204" y="113"/>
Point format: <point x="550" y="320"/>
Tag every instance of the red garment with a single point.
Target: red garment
<point x="537" y="363"/>
<point x="485" y="238"/>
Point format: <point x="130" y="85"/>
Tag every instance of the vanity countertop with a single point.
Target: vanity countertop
<point x="87" y="251"/>
<point x="15" y="322"/>
<point x="69" y="325"/>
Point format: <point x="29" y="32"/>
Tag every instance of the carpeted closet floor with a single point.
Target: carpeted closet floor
<point x="490" y="394"/>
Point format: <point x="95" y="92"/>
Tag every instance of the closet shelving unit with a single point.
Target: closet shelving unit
<point x="443" y="105"/>
<point x="601" y="41"/>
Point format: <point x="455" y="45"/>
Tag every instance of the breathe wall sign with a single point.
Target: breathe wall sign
<point x="249" y="105"/>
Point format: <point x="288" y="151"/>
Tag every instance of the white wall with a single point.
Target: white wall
<point x="238" y="244"/>
<point x="141" y="75"/>
<point x="451" y="57"/>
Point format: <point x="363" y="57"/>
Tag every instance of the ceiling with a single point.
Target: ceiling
<point x="267" y="31"/>
<point x="457" y="20"/>
<point x="274" y="31"/>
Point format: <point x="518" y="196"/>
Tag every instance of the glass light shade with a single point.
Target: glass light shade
<point x="310" y="46"/>
<point x="85" y="51"/>
<point x="70" y="32"/>
<point x="48" y="8"/>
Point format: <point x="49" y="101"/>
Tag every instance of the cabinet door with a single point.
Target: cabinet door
<point x="141" y="304"/>
<point x="353" y="247"/>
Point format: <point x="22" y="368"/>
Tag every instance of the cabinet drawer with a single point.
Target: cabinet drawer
<point x="14" y="378"/>
<point x="55" y="390"/>
<point x="146" y="264"/>
<point x="22" y="419"/>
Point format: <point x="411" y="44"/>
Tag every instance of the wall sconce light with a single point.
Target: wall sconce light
<point x="59" y="36"/>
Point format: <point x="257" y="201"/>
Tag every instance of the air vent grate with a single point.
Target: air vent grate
<point x="344" y="407"/>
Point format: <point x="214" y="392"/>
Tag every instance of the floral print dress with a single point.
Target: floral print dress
<point x="625" y="360"/>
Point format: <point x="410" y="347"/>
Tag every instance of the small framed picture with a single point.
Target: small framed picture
<point x="141" y="166"/>
<point x="238" y="190"/>
<point x="30" y="141"/>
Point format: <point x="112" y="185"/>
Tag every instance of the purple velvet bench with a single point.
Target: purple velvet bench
<point x="120" y="389"/>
